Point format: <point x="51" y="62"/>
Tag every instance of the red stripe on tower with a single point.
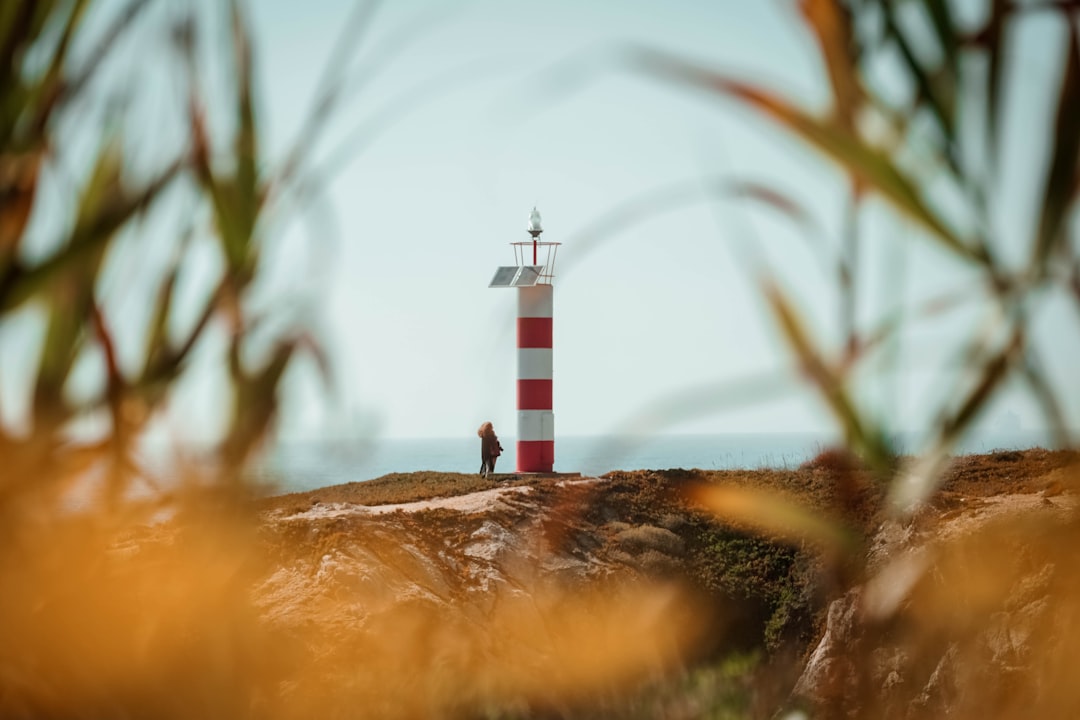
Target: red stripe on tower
<point x="533" y="332"/>
<point x="534" y="394"/>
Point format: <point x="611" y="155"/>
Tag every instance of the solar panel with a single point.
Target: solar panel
<point x="528" y="276"/>
<point x="517" y="276"/>
<point x="504" y="276"/>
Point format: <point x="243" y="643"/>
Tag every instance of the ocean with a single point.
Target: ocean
<point x="299" y="466"/>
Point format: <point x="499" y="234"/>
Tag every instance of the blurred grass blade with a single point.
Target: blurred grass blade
<point x="389" y="114"/>
<point x="114" y="380"/>
<point x="48" y="87"/>
<point x="868" y="165"/>
<point x="922" y="476"/>
<point x="246" y="151"/>
<point x="164" y="364"/>
<point x="991" y="376"/>
<point x="831" y="24"/>
<point x="993" y="39"/>
<point x="675" y="196"/>
<point x="918" y="478"/>
<point x="19" y="173"/>
<point x="330" y="87"/>
<point x="945" y="29"/>
<point x="19" y="29"/>
<point x="696" y="401"/>
<point x="766" y="195"/>
<point x="233" y="191"/>
<point x="1064" y="158"/>
<point x="255" y="400"/>
<point x="71" y="301"/>
<point x="868" y="441"/>
<point x="110" y="39"/>
<point x="88" y="237"/>
<point x="1043" y="391"/>
<point x="894" y="322"/>
<point x="937" y="90"/>
<point x="773" y="514"/>
<point x="157" y="340"/>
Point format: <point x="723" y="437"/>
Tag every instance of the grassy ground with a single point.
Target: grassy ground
<point x="815" y="481"/>
<point x="392" y="489"/>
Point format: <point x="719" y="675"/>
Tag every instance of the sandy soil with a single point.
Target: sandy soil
<point x="476" y="502"/>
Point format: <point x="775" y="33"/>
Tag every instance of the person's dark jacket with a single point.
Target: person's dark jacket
<point x="490" y="447"/>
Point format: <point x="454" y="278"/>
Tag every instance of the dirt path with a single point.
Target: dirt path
<point x="474" y="503"/>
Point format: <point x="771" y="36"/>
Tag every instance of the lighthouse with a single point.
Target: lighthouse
<point x="532" y="276"/>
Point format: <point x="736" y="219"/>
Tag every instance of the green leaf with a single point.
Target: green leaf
<point x="1064" y="157"/>
<point x="873" y="168"/>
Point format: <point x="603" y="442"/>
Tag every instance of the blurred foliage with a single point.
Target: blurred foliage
<point x="951" y="603"/>
<point x="103" y="612"/>
<point x="40" y="100"/>
<point x="118" y="603"/>
<point x="952" y="122"/>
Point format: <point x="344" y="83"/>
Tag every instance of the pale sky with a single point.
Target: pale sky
<point x="492" y="107"/>
<point x="526" y="104"/>
<point x="529" y="103"/>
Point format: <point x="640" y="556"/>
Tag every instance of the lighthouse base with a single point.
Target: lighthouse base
<point x="535" y="456"/>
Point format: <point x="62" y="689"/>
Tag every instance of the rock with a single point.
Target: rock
<point x="964" y="621"/>
<point x="830" y="675"/>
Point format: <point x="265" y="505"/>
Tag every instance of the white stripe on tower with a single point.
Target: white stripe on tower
<point x="536" y="421"/>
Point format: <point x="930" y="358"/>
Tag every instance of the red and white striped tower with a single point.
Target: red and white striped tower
<point x="536" y="420"/>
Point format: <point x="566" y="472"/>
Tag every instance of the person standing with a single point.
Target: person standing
<point x="490" y="449"/>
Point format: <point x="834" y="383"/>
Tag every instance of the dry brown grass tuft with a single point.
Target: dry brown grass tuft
<point x="105" y="615"/>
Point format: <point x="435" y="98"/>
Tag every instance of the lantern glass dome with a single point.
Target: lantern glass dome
<point x="534" y="221"/>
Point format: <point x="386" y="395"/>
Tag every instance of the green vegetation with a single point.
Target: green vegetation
<point x="767" y="584"/>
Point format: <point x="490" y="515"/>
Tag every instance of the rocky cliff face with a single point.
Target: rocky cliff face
<point x="532" y="600"/>
<point x="970" y="610"/>
<point x="494" y="599"/>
